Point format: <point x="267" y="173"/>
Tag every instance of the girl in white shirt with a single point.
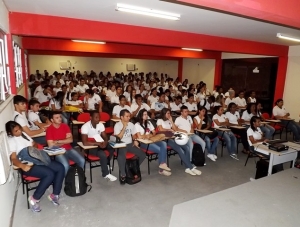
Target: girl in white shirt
<point x="254" y="134"/>
<point x="166" y="124"/>
<point x="145" y="130"/>
<point x="283" y="115"/>
<point x="240" y="101"/>
<point x="201" y="95"/>
<point x="153" y="97"/>
<point x="234" y="120"/>
<point x="131" y="98"/>
<point x="50" y="173"/>
<point x="248" y="113"/>
<point x="220" y="120"/>
<point x="252" y="98"/>
<point x="201" y="121"/>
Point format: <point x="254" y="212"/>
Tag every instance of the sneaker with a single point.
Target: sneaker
<point x="234" y="156"/>
<point x="197" y="172"/>
<point x="110" y="177"/>
<point x="189" y="171"/>
<point x="211" y="157"/>
<point x="215" y="156"/>
<point x="164" y="167"/>
<point x="34" y="204"/>
<point x="54" y="199"/>
<point x="165" y="173"/>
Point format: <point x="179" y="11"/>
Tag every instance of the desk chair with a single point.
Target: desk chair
<point x="26" y="184"/>
<point x="105" y="117"/>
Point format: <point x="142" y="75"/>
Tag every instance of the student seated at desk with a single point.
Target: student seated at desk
<point x="201" y="121"/>
<point x="156" y="107"/>
<point x="145" y="130"/>
<point x="252" y="98"/>
<point x="176" y="105"/>
<point x="248" y="113"/>
<point x="165" y="123"/>
<point x="92" y="101"/>
<point x="20" y="104"/>
<point x="153" y="97"/>
<point x="92" y="131"/>
<point x="220" y="120"/>
<point x="240" y="101"/>
<point x="34" y="115"/>
<point x="125" y="131"/>
<point x="59" y="134"/>
<point x="117" y="109"/>
<point x="230" y="98"/>
<point x="267" y="129"/>
<point x="234" y="120"/>
<point x="53" y="173"/>
<point x="184" y="124"/>
<point x="45" y="95"/>
<point x="280" y="113"/>
<point x="191" y="105"/>
<point x="138" y="105"/>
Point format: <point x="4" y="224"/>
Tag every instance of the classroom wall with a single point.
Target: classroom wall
<point x="4" y="25"/>
<point x="292" y="83"/>
<point x="51" y="63"/>
<point x="196" y="70"/>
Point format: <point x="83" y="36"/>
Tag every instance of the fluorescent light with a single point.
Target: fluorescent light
<point x="287" y="37"/>
<point x="192" y="49"/>
<point x="147" y="12"/>
<point x="86" y="41"/>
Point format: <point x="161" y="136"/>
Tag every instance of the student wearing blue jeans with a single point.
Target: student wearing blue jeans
<point x="49" y="172"/>
<point x="145" y="130"/>
<point x="59" y="134"/>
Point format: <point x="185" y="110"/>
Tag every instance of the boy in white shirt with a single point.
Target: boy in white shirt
<point x="125" y="131"/>
<point x="240" y="101"/>
<point x="82" y="87"/>
<point x="156" y="107"/>
<point x="33" y="115"/>
<point x="185" y="124"/>
<point x="136" y="107"/>
<point x="117" y="109"/>
<point x="45" y="95"/>
<point x="191" y="105"/>
<point x="93" y="134"/>
<point x="176" y="105"/>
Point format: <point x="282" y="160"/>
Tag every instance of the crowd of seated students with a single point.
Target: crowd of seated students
<point x="143" y="105"/>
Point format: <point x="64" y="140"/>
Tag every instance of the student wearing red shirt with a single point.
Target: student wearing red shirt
<point x="59" y="134"/>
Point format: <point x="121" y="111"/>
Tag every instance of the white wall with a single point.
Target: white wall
<point x="196" y="70"/>
<point x="4" y="17"/>
<point x="292" y="83"/>
<point x="226" y="55"/>
<point x="51" y="63"/>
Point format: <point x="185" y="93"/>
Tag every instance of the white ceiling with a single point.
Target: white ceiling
<point x="192" y="19"/>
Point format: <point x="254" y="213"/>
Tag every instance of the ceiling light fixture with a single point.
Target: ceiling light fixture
<point x="287" y="37"/>
<point x="192" y="49"/>
<point x="86" y="41"/>
<point x="147" y="12"/>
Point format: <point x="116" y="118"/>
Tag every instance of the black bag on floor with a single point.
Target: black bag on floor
<point x="75" y="182"/>
<point x="133" y="172"/>
<point x="198" y="156"/>
<point x="262" y="167"/>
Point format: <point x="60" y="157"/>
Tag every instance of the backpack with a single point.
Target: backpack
<point x="75" y="182"/>
<point x="198" y="156"/>
<point x="132" y="169"/>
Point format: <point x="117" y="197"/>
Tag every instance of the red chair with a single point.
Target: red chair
<point x="26" y="181"/>
<point x="81" y="98"/>
<point x="45" y="104"/>
<point x="84" y="117"/>
<point x="105" y="117"/>
<point x="128" y="156"/>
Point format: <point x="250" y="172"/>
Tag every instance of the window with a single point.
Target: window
<point x="5" y="88"/>
<point x="18" y="65"/>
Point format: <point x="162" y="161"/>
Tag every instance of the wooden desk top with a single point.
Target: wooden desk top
<point x="237" y="127"/>
<point x="80" y="144"/>
<point x="223" y="129"/>
<point x="272" y="120"/>
<point x="115" y="120"/>
<point x="145" y="141"/>
<point x="205" y="131"/>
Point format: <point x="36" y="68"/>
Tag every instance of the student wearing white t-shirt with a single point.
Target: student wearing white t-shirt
<point x="57" y="88"/>
<point x="145" y="130"/>
<point x="45" y="95"/>
<point x="166" y="124"/>
<point x="184" y="124"/>
<point x="92" y="101"/>
<point x="240" y="101"/>
<point x="201" y="121"/>
<point x="19" y="116"/>
<point x="252" y="98"/>
<point x="156" y="107"/>
<point x="33" y="115"/>
<point x="51" y="174"/>
<point x="153" y="97"/>
<point x="254" y="134"/>
<point x="280" y="113"/>
<point x="191" y="105"/>
<point x="230" y="98"/>
<point x="176" y="105"/>
<point x="117" y="109"/>
<point x="248" y="113"/>
<point x="115" y="98"/>
<point x="93" y="134"/>
<point x="220" y="121"/>
<point x="138" y="105"/>
<point x="125" y="130"/>
<point x="82" y="87"/>
<point x="234" y="120"/>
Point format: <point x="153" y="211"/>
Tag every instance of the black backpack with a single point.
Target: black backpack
<point x="75" y="182"/>
<point x="132" y="169"/>
<point x="198" y="156"/>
